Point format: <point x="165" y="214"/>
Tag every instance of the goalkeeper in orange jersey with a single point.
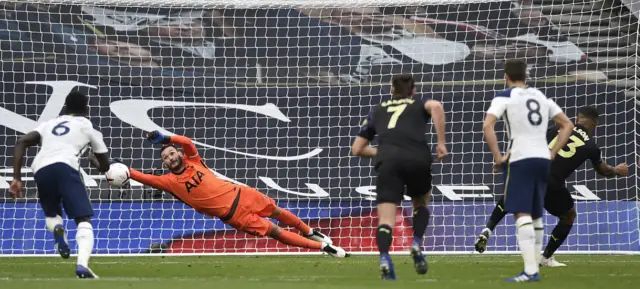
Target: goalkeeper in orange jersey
<point x="243" y="208"/>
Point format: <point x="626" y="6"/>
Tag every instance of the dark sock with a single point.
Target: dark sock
<point x="497" y="215"/>
<point x="559" y="234"/>
<point x="383" y="238"/>
<point x="421" y="217"/>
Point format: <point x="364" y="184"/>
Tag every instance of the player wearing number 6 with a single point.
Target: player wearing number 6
<point x="526" y="112"/>
<point x="558" y="201"/>
<point x="56" y="167"/>
<point x="403" y="159"/>
<point x="243" y="208"/>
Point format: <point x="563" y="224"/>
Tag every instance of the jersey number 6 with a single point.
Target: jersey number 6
<point x="397" y="111"/>
<point x="575" y="142"/>
<point x="60" y="129"/>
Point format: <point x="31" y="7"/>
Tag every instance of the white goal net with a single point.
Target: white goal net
<point x="273" y="93"/>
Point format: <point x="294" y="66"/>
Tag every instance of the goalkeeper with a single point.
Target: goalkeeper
<point x="243" y="208"/>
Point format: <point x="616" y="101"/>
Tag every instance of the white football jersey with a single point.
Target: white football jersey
<point x="526" y="112"/>
<point x="64" y="140"/>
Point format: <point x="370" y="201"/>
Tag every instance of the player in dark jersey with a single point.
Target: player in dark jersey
<point x="558" y="200"/>
<point x="403" y="159"/>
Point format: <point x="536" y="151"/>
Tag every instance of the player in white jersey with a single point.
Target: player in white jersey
<point x="526" y="112"/>
<point x="56" y="167"/>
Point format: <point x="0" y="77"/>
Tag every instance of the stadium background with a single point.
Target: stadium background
<point x="291" y="92"/>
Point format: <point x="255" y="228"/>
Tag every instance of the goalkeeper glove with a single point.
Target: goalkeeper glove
<point x="156" y="137"/>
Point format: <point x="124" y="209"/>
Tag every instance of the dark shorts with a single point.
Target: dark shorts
<point x="393" y="175"/>
<point x="558" y="199"/>
<point x="59" y="184"/>
<point x="525" y="186"/>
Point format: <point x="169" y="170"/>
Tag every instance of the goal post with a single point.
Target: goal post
<point x="272" y="92"/>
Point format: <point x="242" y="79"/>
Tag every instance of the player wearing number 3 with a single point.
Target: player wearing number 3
<point x="56" y="167"/>
<point x="241" y="207"/>
<point x="526" y="112"/>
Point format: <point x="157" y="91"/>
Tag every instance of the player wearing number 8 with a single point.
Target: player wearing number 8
<point x="558" y="201"/>
<point x="526" y="112"/>
<point x="56" y="167"/>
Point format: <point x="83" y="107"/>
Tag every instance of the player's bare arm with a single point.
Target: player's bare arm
<point x="488" y="129"/>
<point x="99" y="161"/>
<point x="565" y="127"/>
<point x="435" y="109"/>
<point x="26" y="141"/>
<point x="361" y="148"/>
<point x="608" y="171"/>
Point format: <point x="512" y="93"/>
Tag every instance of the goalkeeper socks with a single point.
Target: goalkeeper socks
<point x="538" y="228"/>
<point x="421" y="217"/>
<point x="497" y="215"/>
<point x="287" y="218"/>
<point x="384" y="235"/>
<point x="559" y="234"/>
<point x="84" y="238"/>
<point x="52" y="222"/>
<point x="527" y="243"/>
<point x="294" y="239"/>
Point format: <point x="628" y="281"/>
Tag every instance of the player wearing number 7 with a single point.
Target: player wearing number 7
<point x="403" y="159"/>
<point x="558" y="201"/>
<point x="526" y="112"/>
<point x="243" y="208"/>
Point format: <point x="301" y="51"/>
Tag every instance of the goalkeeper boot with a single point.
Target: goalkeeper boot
<point x="334" y="251"/>
<point x="85" y="273"/>
<point x="317" y="236"/>
<point x="524" y="277"/>
<point x="61" y="242"/>
<point x="419" y="261"/>
<point x="551" y="262"/>
<point x="481" y="242"/>
<point x="386" y="268"/>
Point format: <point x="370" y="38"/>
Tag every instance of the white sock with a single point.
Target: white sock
<point x="52" y="222"/>
<point x="84" y="237"/>
<point x="538" y="226"/>
<point x="527" y="242"/>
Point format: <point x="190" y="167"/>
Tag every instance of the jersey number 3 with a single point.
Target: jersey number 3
<point x="574" y="143"/>
<point x="397" y="111"/>
<point x="60" y="129"/>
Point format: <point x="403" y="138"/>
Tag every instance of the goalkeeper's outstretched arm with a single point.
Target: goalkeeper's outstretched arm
<point x="162" y="183"/>
<point x="187" y="145"/>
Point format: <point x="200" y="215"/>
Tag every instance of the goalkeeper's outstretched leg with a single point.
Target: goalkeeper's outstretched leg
<point x="250" y="217"/>
<point x="285" y="217"/>
<point x="293" y="239"/>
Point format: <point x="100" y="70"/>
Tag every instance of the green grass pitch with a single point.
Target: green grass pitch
<point x="282" y="272"/>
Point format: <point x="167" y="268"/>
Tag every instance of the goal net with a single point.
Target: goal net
<point x="274" y="91"/>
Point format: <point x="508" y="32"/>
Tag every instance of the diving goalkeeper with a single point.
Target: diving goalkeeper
<point x="243" y="208"/>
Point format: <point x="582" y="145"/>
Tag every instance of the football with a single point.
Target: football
<point x="118" y="175"/>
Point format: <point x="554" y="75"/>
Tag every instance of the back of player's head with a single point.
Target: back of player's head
<point x="403" y="85"/>
<point x="76" y="103"/>
<point x="589" y="112"/>
<point x="516" y="69"/>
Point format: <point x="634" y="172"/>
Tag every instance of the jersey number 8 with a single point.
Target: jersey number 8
<point x="60" y="129"/>
<point x="534" y="110"/>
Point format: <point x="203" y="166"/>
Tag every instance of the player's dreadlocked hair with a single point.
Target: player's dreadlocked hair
<point x="403" y="85"/>
<point x="589" y="112"/>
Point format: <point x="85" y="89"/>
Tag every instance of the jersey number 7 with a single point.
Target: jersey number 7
<point x="574" y="142"/>
<point x="397" y="111"/>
